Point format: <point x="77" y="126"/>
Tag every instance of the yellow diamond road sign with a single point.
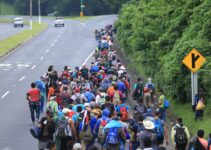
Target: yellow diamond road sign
<point x="194" y="60"/>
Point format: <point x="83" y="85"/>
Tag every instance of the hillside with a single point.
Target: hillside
<point x="159" y="34"/>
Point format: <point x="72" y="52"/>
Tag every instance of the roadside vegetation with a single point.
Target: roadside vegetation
<point x="12" y="42"/>
<point x="157" y="35"/>
<point x="6" y="8"/>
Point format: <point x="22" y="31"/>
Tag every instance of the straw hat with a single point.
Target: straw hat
<point x="148" y="124"/>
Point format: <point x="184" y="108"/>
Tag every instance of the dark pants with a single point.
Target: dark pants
<point x="163" y="114"/>
<point x="199" y="114"/>
<point x="64" y="142"/>
<point x="181" y="147"/>
<point x="41" y="103"/>
<point x="34" y="108"/>
<point x="160" y="140"/>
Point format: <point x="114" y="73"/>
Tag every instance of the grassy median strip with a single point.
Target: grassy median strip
<point x="12" y="42"/>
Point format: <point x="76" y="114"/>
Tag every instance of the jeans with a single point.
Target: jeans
<point x="199" y="114"/>
<point x="42" y="99"/>
<point x="34" y="108"/>
<point x="162" y="114"/>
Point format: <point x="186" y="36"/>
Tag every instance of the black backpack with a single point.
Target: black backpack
<point x="139" y="89"/>
<point x="180" y="136"/>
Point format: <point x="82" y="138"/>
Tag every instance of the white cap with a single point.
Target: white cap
<point x="77" y="146"/>
<point x="148" y="124"/>
<point x="65" y="110"/>
<point x="86" y="105"/>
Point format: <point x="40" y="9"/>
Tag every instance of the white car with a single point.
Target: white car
<point x="59" y="22"/>
<point x="18" y="22"/>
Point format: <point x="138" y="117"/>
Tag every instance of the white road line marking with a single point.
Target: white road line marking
<point x="22" y="78"/>
<point x="58" y="36"/>
<point x="41" y="58"/>
<point x="56" y="40"/>
<point x="5" y="94"/>
<point x="83" y="24"/>
<point x="87" y="58"/>
<point x="48" y="50"/>
<point x="34" y="66"/>
<point x="5" y="65"/>
<point x="52" y="44"/>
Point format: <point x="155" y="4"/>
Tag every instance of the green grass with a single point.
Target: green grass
<point x="9" y="43"/>
<point x="185" y="111"/>
<point x="6" y="20"/>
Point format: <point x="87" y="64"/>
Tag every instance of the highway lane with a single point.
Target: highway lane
<point x="55" y="46"/>
<point x="7" y="30"/>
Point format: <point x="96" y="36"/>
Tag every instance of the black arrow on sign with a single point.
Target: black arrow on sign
<point x="194" y="59"/>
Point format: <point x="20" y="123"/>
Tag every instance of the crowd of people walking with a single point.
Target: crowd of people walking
<point x="89" y="108"/>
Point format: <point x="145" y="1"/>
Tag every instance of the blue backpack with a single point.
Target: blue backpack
<point x="166" y="103"/>
<point x="159" y="131"/>
<point x="35" y="131"/>
<point x="112" y="137"/>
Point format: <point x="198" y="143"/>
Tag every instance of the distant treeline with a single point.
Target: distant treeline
<point x="67" y="7"/>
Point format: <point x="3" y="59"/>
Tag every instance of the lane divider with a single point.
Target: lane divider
<point x="22" y="78"/>
<point x="5" y="94"/>
<point x="41" y="58"/>
<point x="48" y="50"/>
<point x="34" y="66"/>
<point x="87" y="59"/>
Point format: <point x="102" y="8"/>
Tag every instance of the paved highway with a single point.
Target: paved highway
<point x="7" y="29"/>
<point x="55" y="46"/>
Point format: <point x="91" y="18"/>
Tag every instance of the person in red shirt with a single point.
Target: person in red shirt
<point x="33" y="97"/>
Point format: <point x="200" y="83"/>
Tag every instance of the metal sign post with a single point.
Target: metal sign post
<point x="194" y="61"/>
<point x="194" y="85"/>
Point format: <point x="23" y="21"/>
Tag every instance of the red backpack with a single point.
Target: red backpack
<point x="124" y="112"/>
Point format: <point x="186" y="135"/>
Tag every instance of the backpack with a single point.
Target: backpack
<point x="101" y="127"/>
<point x="146" y="89"/>
<point x="191" y="145"/>
<point x="64" y="129"/>
<point x="116" y="98"/>
<point x="102" y="99"/>
<point x="35" y="131"/>
<point x="86" y="133"/>
<point x="166" y="103"/>
<point x="159" y="131"/>
<point x="112" y="137"/>
<point x="124" y="112"/>
<point x="139" y="89"/>
<point x="140" y="108"/>
<point x="180" y="136"/>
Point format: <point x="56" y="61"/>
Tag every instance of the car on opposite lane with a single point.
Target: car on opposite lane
<point x="18" y="22"/>
<point x="59" y="21"/>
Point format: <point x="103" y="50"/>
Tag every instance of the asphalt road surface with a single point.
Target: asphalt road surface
<point x="7" y="30"/>
<point x="55" y="46"/>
